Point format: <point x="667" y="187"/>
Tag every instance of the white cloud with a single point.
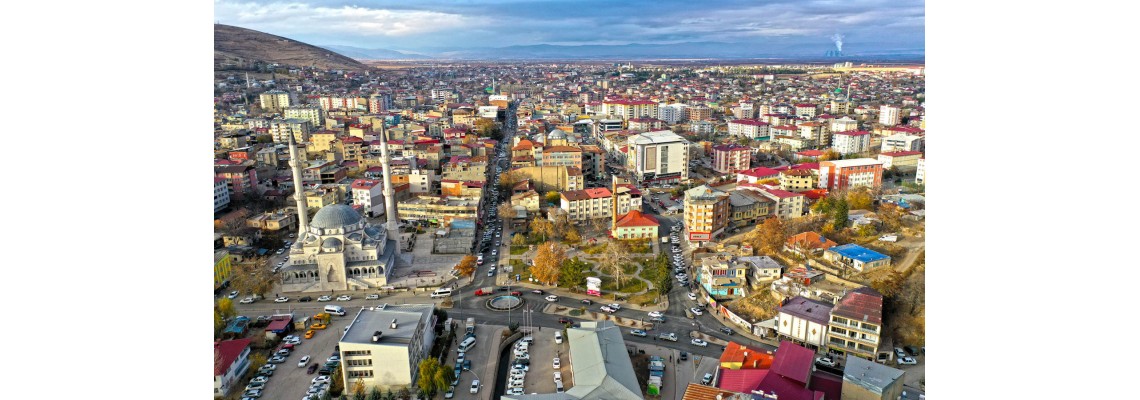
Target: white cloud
<point x="293" y="18"/>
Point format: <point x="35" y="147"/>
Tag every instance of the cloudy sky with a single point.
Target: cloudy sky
<point x="435" y="25"/>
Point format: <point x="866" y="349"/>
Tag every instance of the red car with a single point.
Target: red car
<point x="516" y="293"/>
<point x="564" y="320"/>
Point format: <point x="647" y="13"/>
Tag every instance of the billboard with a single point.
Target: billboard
<point x="593" y="286"/>
<point x="699" y="236"/>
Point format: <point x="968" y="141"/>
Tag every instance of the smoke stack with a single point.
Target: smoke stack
<point x="838" y="39"/>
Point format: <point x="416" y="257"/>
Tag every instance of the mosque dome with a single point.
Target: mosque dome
<point x="335" y="217"/>
<point x="331" y="243"/>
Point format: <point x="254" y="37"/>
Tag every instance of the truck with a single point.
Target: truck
<point x="485" y="291"/>
<point x="672" y="337"/>
<point x="471" y="325"/>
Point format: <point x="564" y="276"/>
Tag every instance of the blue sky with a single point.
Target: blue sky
<point x="433" y="25"/>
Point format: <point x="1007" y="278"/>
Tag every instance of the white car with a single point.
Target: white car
<point x="475" y="386"/>
<point x="281" y="300"/>
<point x="696" y="311"/>
<point x="692" y="296"/>
<point x="325" y="298"/>
<point x="552" y="298"/>
<point x="450" y="393"/>
<point x="304" y="361"/>
<point x="322" y="378"/>
<point x="373" y="296"/>
<point x="516" y="391"/>
<point x="653" y="314"/>
<point x="615" y="306"/>
<point x="557" y="363"/>
<point x="908" y="360"/>
<point x="247" y="300"/>
<point x="344" y="297"/>
<point x="825" y="361"/>
<point x="333" y="358"/>
<point x="699" y="342"/>
<point x="233" y="295"/>
<point x="608" y="309"/>
<point x="262" y="379"/>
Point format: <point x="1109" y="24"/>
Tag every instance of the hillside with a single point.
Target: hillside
<point x="239" y="48"/>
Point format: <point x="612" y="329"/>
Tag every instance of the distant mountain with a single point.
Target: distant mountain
<point x="687" y="50"/>
<point x="373" y="54"/>
<point x="236" y="47"/>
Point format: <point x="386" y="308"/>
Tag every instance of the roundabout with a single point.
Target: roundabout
<point x="504" y="303"/>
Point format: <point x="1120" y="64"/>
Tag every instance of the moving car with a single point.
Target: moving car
<point x="281" y="300"/>
<point x="696" y="311"/>
<point x="825" y="361"/>
<point x="552" y="298"/>
<point x="247" y="300"/>
<point x="537" y="291"/>
<point x="564" y="320"/>
<point x="373" y="296"/>
<point x="727" y="331"/>
<point x="233" y="295"/>
<point x="325" y="298"/>
<point x="608" y="309"/>
<point x="656" y="314"/>
<point x="692" y="296"/>
<point x="475" y="386"/>
<point x="303" y="362"/>
<point x="306" y="299"/>
<point x="699" y="342"/>
<point x="587" y="301"/>
<point x="638" y="332"/>
<point x="344" y="297"/>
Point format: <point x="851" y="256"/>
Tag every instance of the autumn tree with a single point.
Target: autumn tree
<point x="891" y="215"/>
<point x="508" y="180"/>
<point x="552" y="197"/>
<point x="859" y="199"/>
<point x="769" y="236"/>
<point x="252" y="277"/>
<point x="433" y="377"/>
<point x="518" y="240"/>
<point x="613" y="259"/>
<point x="542" y="227"/>
<point x="466" y="265"/>
<point x="256" y="361"/>
<point x="571" y="235"/>
<point x="226" y="307"/>
<point x="506" y="212"/>
<point x="219" y="322"/>
<point x="573" y="273"/>
<point x="548" y="262"/>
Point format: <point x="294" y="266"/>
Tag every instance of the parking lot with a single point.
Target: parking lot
<point x="540" y="378"/>
<point x="289" y="380"/>
<point x="480" y="357"/>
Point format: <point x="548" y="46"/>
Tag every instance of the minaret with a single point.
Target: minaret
<point x="298" y="189"/>
<point x="614" y="200"/>
<point x="389" y="191"/>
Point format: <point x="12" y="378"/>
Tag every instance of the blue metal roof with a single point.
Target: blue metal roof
<point x="857" y="252"/>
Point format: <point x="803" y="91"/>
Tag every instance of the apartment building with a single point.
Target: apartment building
<point x="437" y="209"/>
<point x="368" y="194"/>
<point x="559" y="156"/>
<point x="221" y="193"/>
<point x="798" y="180"/>
<point x="307" y="112"/>
<point x="587" y="204"/>
<point x="340" y="102"/>
<point x="867" y="380"/>
<point x="723" y="276"/>
<point x="276" y="100"/>
<point x="698" y="113"/>
<point x="465" y="168"/>
<point x="787" y="205"/>
<point x="383" y="346"/>
<point x="804" y="321"/>
<point x="889" y="115"/>
<point x="558" y="179"/>
<point x="280" y="129"/>
<point x="629" y="109"/>
<point x="851" y="142"/>
<point x="731" y="158"/>
<point x="843" y="174"/>
<point x="673" y="113"/>
<point x="816" y="132"/>
<point x="707" y="212"/>
<point x="920" y="172"/>
<point x="844" y="124"/>
<point x="903" y="160"/>
<point x="241" y="180"/>
<point x="806" y="110"/>
<point x="903" y="142"/>
<point x="750" y="128"/>
<point x="855" y="324"/>
<point x="660" y="156"/>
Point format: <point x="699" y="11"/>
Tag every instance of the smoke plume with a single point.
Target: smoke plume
<point x="838" y="41"/>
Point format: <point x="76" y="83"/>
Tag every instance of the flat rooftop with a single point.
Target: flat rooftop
<point x="370" y="320"/>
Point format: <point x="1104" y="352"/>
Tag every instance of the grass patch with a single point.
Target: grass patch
<point x="645" y="299"/>
<point x="639" y="246"/>
<point x="652" y="274"/>
<point x="595" y="249"/>
<point x="632" y="286"/>
<point x="518" y="250"/>
<point x="629" y="268"/>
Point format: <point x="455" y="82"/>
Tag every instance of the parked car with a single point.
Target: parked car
<point x="373" y="296"/>
<point x="281" y="300"/>
<point x="233" y="295"/>
<point x="608" y="309"/>
<point x="655" y="314"/>
<point x="638" y="332"/>
<point x="825" y="361"/>
<point x="247" y="300"/>
<point x="912" y="350"/>
<point x="707" y="379"/>
<point x="727" y="331"/>
<point x="475" y="386"/>
<point x="344" y="297"/>
<point x="564" y="320"/>
<point x="696" y="311"/>
<point x="312" y="368"/>
<point x="699" y="342"/>
<point x="325" y="298"/>
<point x="276" y="359"/>
<point x="684" y="356"/>
<point x="587" y="301"/>
<point x="692" y="296"/>
<point x="899" y="353"/>
<point x="907" y="360"/>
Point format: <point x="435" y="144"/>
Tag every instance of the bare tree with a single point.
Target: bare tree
<point x="613" y="260"/>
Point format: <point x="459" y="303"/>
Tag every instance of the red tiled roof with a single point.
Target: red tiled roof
<point x="755" y="358"/>
<point x="810" y="239"/>
<point x="741" y="380"/>
<point x="760" y="172"/>
<point x="364" y="183"/>
<point x="793" y="362"/>
<point x="748" y="121"/>
<point x="853" y="133"/>
<point x="636" y="218"/>
<point x="900" y="153"/>
<point x="228" y="351"/>
<point x="810" y="153"/>
<point x="862" y="304"/>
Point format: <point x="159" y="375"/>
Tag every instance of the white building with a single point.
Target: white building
<point x="673" y="113"/>
<point x="308" y="112"/>
<point x="383" y="345"/>
<point x="804" y="321"/>
<point x="338" y="250"/>
<point x="702" y="127"/>
<point x="628" y="109"/>
<point x="851" y="142"/>
<point x="903" y="142"/>
<point x="920" y="174"/>
<point x="275" y="100"/>
<point x="658" y="156"/>
<point x="280" y="129"/>
<point x="764" y="269"/>
<point x="221" y="194"/>
<point x="844" y="124"/>
<point x="369" y="195"/>
<point x="750" y="128"/>
<point x="231" y="361"/>
<point x="889" y="115"/>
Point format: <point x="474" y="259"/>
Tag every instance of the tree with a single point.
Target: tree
<point x="252" y="277"/>
<point x="573" y="274"/>
<point x="613" y="259"/>
<point x="219" y="322"/>
<point x="466" y="265"/>
<point x="375" y="394"/>
<point x="506" y="212"/>
<point x="561" y="223"/>
<point x="542" y="227"/>
<point x="891" y="215"/>
<point x="839" y="216"/>
<point x="358" y="390"/>
<point x="508" y="180"/>
<point x="571" y="235"/>
<point x="518" y="239"/>
<point x="226" y="307"/>
<point x="859" y="199"/>
<point x="769" y="236"/>
<point x="429" y="378"/>
<point x="256" y="361"/>
<point x="548" y="261"/>
<point x="552" y="197"/>
<point x="865" y="230"/>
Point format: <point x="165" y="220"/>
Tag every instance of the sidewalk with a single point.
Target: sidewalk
<point x="598" y="316"/>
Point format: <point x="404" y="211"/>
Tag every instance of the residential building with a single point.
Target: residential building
<point x="764" y="269"/>
<point x="322" y="196"/>
<point x="804" y="321"/>
<point x="636" y="225"/>
<point x="660" y="156"/>
<point x="702" y="127"/>
<point x="707" y="211"/>
<point x="786" y="204"/>
<point x="749" y="128"/>
<point x="844" y="174"/>
<point x="275" y="100"/>
<point x="555" y="156"/>
<point x="466" y="168"/>
<point x="241" y="180"/>
<point x="791" y="376"/>
<point x="383" y="346"/>
<point x="646" y="124"/>
<point x="593" y="162"/>
<point x="231" y="361"/>
<point x="307" y="112"/>
<point x="629" y="109"/>
<point x="806" y="110"/>
<point x="851" y="142"/>
<point x="731" y="158"/>
<point x="844" y="124"/>
<point x="867" y="380"/>
<point x="285" y="218"/>
<point x="557" y="179"/>
<point x="673" y="113"/>
<point x="807" y="155"/>
<point x="369" y="195"/>
<point x="798" y="180"/>
<point x="698" y="113"/>
<point x="223" y="268"/>
<point x="744" y="110"/>
<point x="529" y="200"/>
<point x="889" y="115"/>
<point x="748" y="208"/>
<point x="902" y="160"/>
<point x="722" y="276"/>
<point x="810" y="241"/>
<point x="903" y="142"/>
<point x="856" y="323"/>
<point x="815" y="132"/>
<point x="757" y="174"/>
<point x="339" y="250"/>
<point x="280" y="129"/>
<point x="599" y="364"/>
<point x="322" y="141"/>
<point x="858" y="257"/>
<point x="221" y="193"/>
<point x="920" y="172"/>
<point x="587" y="204"/>
<point x="438" y="210"/>
<point x="341" y="102"/>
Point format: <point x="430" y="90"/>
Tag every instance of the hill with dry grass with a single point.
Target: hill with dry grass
<point x="240" y="48"/>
